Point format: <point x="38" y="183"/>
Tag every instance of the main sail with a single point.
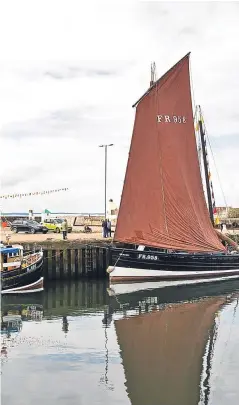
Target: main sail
<point x="163" y="203"/>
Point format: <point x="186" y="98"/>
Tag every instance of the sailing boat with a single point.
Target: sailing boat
<point x="163" y="224"/>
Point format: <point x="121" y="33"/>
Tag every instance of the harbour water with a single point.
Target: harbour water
<point x="78" y="344"/>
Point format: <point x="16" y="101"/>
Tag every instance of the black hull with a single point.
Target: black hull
<point x="21" y="277"/>
<point x="171" y="265"/>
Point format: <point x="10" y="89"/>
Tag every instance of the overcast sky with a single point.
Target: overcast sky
<point x="69" y="74"/>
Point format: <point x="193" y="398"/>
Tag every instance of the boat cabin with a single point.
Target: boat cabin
<point x="10" y="257"/>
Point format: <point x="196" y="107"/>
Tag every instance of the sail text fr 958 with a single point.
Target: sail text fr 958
<point x="176" y="119"/>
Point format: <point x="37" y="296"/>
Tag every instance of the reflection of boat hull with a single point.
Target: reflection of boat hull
<point x="27" y="307"/>
<point x="13" y="313"/>
<point x="132" y="287"/>
<point x="23" y="280"/>
<point x="130" y="265"/>
<point x="164" y="293"/>
<point x="17" y="302"/>
<point x="11" y="324"/>
<point x="22" y="309"/>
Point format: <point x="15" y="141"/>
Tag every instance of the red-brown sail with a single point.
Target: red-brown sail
<point x="163" y="203"/>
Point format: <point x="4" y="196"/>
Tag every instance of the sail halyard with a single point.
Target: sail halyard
<point x="198" y="137"/>
<point x="163" y="203"/>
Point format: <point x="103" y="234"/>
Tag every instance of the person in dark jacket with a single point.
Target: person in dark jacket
<point x="105" y="229"/>
<point x="108" y="223"/>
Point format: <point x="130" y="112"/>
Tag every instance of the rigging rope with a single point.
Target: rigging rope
<point x="208" y="139"/>
<point x="199" y="145"/>
<point x="192" y="89"/>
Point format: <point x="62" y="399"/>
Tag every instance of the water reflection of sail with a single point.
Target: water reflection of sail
<point x="163" y="351"/>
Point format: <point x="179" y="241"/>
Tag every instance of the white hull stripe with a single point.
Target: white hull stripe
<point x="129" y="272"/>
<point x="22" y="289"/>
<point x="12" y="264"/>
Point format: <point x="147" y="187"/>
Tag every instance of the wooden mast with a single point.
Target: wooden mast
<point x="203" y="143"/>
<point x="153" y="74"/>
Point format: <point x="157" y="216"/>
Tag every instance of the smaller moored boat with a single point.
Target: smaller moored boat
<point x="21" y="271"/>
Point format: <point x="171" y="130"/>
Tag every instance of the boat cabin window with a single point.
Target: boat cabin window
<point x="13" y="254"/>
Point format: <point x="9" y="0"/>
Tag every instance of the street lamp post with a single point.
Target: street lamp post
<point x="106" y="147"/>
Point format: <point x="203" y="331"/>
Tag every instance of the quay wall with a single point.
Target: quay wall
<point x="68" y="264"/>
<point x="74" y="261"/>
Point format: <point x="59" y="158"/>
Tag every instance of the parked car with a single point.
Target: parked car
<point x="27" y="226"/>
<point x="55" y="225"/>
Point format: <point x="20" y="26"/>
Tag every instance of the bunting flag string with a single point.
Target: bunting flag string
<point x="35" y="193"/>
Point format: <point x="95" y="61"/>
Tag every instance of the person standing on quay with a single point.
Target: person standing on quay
<point x="104" y="229"/>
<point x="64" y="229"/>
<point x="108" y="222"/>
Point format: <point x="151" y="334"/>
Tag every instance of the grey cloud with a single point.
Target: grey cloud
<point x="62" y="70"/>
<point x="72" y="72"/>
<point x="225" y="141"/>
<point x="188" y="31"/>
<point x="154" y="8"/>
<point x="235" y="116"/>
<point x="20" y="175"/>
<point x="90" y="124"/>
<point x="56" y="124"/>
<point x="54" y="75"/>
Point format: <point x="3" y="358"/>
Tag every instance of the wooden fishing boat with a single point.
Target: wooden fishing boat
<point x="21" y="272"/>
<point x="165" y="230"/>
